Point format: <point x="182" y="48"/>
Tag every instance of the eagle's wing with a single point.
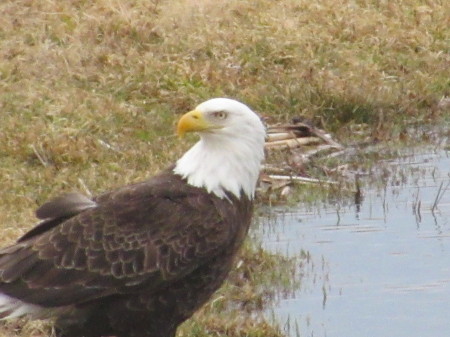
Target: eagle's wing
<point x="55" y="211"/>
<point x="142" y="235"/>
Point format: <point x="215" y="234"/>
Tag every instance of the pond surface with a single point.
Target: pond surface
<point x="381" y="268"/>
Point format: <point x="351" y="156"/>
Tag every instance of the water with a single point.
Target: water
<point x="378" y="269"/>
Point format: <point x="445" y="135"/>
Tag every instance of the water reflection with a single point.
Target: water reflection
<point x="378" y="268"/>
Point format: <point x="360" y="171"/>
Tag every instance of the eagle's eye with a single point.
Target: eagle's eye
<point x="220" y="115"/>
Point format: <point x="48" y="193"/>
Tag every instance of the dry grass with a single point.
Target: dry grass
<point x="89" y="90"/>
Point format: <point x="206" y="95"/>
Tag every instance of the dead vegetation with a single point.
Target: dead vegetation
<point x="290" y="150"/>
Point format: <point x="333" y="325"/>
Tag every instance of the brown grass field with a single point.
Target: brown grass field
<point x="90" y="92"/>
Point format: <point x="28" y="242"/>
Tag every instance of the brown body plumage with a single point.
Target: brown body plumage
<point x="138" y="261"/>
<point x="151" y="269"/>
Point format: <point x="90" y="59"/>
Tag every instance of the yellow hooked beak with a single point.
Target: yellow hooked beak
<point x="192" y="121"/>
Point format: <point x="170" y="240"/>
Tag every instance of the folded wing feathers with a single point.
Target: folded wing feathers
<point x="66" y="261"/>
<point x="64" y="205"/>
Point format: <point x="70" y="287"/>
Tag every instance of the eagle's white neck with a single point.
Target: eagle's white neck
<point x="223" y="163"/>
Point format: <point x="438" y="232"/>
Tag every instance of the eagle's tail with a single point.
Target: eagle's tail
<point x="11" y="307"/>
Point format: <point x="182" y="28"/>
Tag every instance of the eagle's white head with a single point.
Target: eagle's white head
<point x="229" y="153"/>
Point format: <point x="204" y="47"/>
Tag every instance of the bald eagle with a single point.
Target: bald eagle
<point x="141" y="259"/>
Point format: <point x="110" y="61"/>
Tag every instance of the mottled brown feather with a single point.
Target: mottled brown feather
<point x="158" y="248"/>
